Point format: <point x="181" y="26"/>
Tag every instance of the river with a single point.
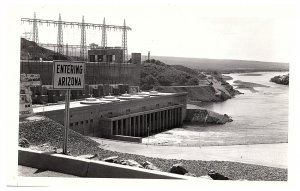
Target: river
<point x="258" y="117"/>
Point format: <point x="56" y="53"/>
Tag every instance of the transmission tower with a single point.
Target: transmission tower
<point x="83" y="41"/>
<point x="35" y="36"/>
<point x="104" y="38"/>
<point x="67" y="49"/>
<point x="124" y="42"/>
<point x="60" y="41"/>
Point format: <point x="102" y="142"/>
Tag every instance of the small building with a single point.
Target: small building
<point x="108" y="54"/>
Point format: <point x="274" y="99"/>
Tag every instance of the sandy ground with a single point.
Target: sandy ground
<point x="273" y="155"/>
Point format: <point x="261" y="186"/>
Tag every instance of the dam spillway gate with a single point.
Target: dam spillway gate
<point x="143" y="124"/>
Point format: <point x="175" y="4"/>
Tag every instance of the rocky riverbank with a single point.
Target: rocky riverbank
<point x="284" y="79"/>
<point x="212" y="88"/>
<point x="47" y="135"/>
<point x="204" y="116"/>
<point x="207" y="87"/>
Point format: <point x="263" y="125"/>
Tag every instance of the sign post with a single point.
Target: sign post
<point x="68" y="76"/>
<point x="66" y="121"/>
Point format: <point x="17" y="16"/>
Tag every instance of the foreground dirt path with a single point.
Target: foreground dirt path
<point x="273" y="155"/>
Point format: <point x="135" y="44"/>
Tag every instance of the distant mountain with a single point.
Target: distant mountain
<point x="224" y="65"/>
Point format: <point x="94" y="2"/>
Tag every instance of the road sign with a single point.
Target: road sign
<point x="68" y="75"/>
<point x="30" y="79"/>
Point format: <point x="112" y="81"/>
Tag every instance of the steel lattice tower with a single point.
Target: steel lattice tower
<point x="83" y="41"/>
<point x="104" y="38"/>
<point x="124" y="42"/>
<point x="67" y="49"/>
<point x="35" y="36"/>
<point x="60" y="47"/>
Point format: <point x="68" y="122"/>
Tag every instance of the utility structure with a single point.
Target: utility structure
<point x="67" y="49"/>
<point x="124" y="42"/>
<point x="35" y="36"/>
<point x="84" y="26"/>
<point x="60" y="41"/>
<point x="104" y="37"/>
<point x="83" y="49"/>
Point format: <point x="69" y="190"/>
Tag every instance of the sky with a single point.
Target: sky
<point x="247" y="30"/>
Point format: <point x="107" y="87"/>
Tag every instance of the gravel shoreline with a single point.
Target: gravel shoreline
<point x="45" y="135"/>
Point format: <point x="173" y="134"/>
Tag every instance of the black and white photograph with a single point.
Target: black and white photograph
<point x="159" y="91"/>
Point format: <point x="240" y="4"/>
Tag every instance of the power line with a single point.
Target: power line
<point x="79" y="24"/>
<point x="59" y="47"/>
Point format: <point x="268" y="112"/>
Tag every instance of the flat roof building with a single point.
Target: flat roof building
<point x="108" y="54"/>
<point x="125" y="118"/>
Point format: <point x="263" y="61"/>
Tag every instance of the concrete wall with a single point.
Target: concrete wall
<point x="96" y="73"/>
<point x="87" y="168"/>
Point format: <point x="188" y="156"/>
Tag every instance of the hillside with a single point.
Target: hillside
<point x="223" y="65"/>
<point x="186" y="69"/>
<point x="157" y="73"/>
<point x="32" y="51"/>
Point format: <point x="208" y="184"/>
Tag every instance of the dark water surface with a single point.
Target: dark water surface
<point x="260" y="117"/>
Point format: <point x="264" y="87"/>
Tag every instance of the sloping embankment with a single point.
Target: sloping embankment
<point x="205" y="93"/>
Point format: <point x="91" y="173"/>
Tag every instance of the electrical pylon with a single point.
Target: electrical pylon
<point x="83" y="41"/>
<point x="104" y="38"/>
<point x="60" y="41"/>
<point x="124" y="43"/>
<point x="35" y="36"/>
<point x="67" y="49"/>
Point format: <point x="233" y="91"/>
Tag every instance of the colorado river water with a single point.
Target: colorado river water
<point x="260" y="117"/>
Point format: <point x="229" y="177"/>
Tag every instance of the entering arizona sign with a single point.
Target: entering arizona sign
<point x="68" y="75"/>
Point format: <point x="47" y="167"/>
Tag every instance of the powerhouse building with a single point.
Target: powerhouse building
<point x="130" y="118"/>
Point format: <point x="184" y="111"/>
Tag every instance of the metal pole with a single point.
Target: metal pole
<point x="67" y="120"/>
